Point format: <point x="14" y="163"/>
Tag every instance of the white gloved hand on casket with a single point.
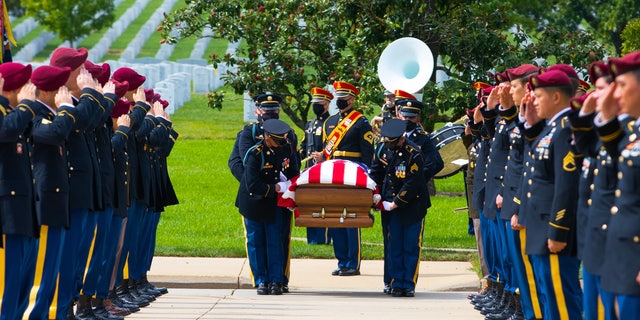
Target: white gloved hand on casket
<point x="283" y="177"/>
<point x="386" y="205"/>
<point x="284" y="185"/>
<point x="376" y="199"/>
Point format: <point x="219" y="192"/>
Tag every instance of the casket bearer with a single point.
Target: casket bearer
<point x="398" y="170"/>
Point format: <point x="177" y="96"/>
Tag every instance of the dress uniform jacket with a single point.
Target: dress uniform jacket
<point x="469" y="143"/>
<point x="528" y="160"/>
<point x="257" y="197"/>
<point x="137" y="115"/>
<point x="235" y="159"/>
<point x="16" y="183"/>
<point x="169" y="196"/>
<point x="102" y="135"/>
<point x="479" y="176"/>
<point x="357" y="144"/>
<point x="551" y="207"/>
<point x="49" y="158"/>
<point x="158" y="138"/>
<point x="432" y="161"/>
<point x="400" y="175"/>
<point x="497" y="161"/>
<point x="621" y="263"/>
<point x="144" y="179"/>
<point x="252" y="134"/>
<point x="121" y="168"/>
<point x="513" y="174"/>
<point x="312" y="140"/>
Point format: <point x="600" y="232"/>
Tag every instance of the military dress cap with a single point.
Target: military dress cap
<point x="344" y="89"/>
<point x="521" y="71"/>
<point x="148" y="95"/>
<point x="164" y="103"/>
<point x="393" y="129"/>
<point x="598" y="69"/>
<point x="94" y="69"/>
<point x="388" y="93"/>
<point x="625" y="64"/>
<point x="121" y="87"/>
<point x="584" y="86"/>
<point x="15" y="75"/>
<point x="277" y="130"/>
<point x="319" y="94"/>
<point x="68" y="57"/>
<point x="134" y="79"/>
<point x="103" y="78"/>
<point x="567" y="69"/>
<point x="400" y="94"/>
<point x="50" y="78"/>
<point x="553" y="78"/>
<point x="409" y="107"/>
<point x="576" y="103"/>
<point x="268" y="101"/>
<point x="501" y="77"/>
<point x="121" y="107"/>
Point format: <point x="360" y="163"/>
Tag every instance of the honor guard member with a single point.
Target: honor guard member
<point x="311" y="147"/>
<point x="347" y="136"/>
<point x="592" y="215"/>
<point x="620" y="279"/>
<point x="552" y="197"/>
<point x="257" y="202"/>
<point x="235" y="158"/>
<point x="18" y="215"/>
<point x="399" y="171"/>
<point x="55" y="118"/>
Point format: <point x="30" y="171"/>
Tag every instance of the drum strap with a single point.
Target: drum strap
<point x="339" y="132"/>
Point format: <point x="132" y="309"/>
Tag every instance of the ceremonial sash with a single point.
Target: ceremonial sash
<point x="339" y="132"/>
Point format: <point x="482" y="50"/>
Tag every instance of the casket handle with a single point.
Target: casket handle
<point x="322" y="213"/>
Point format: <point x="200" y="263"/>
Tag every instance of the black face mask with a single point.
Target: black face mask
<point x="342" y="104"/>
<point x="318" y="109"/>
<point x="268" y="116"/>
<point x="410" y="125"/>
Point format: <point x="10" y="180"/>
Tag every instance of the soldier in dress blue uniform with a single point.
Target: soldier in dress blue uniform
<point x="257" y="202"/>
<point x="400" y="173"/>
<point x="347" y="136"/>
<point x="311" y="146"/>
<point x="55" y="118"/>
<point x="19" y="221"/>
<point x="552" y="197"/>
<point x="620" y="278"/>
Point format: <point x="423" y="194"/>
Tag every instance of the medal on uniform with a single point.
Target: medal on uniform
<point x="401" y="171"/>
<point x="285" y="163"/>
<point x="18" y="148"/>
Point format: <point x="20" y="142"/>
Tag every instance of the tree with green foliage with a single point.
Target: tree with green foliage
<point x="631" y="36"/>
<point x="71" y="19"/>
<point x="289" y="47"/>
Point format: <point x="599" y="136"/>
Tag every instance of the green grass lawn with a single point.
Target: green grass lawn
<point x="206" y="222"/>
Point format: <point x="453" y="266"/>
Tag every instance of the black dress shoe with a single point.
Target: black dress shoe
<point x="275" y="289"/>
<point x="285" y="288"/>
<point x="409" y="293"/>
<point x="397" y="292"/>
<point x="337" y="271"/>
<point x="387" y="289"/>
<point x="349" y="272"/>
<point x="263" y="289"/>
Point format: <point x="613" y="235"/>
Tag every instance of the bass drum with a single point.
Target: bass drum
<point x="448" y="141"/>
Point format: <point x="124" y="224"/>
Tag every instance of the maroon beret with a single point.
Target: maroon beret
<point x="521" y="71"/>
<point x="576" y="103"/>
<point x="50" y="78"/>
<point x="567" y="69"/>
<point x="121" y="107"/>
<point x="103" y="78"/>
<point x="156" y="97"/>
<point x="148" y="95"/>
<point x="553" y="78"/>
<point x="121" y="87"/>
<point x="625" y="64"/>
<point x="15" y="75"/>
<point x="68" y="57"/>
<point x="598" y="69"/>
<point x="164" y="103"/>
<point x="94" y="69"/>
<point x="127" y="74"/>
<point x="501" y="77"/>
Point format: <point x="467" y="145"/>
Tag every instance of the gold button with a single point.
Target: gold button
<point x="592" y="187"/>
<point x="618" y="192"/>
<point x="525" y="174"/>
<point x="529" y="182"/>
<point x="125" y="183"/>
<point x="508" y="157"/>
<point x="604" y="226"/>
<point x="614" y="210"/>
<point x="71" y="168"/>
<point x="57" y="189"/>
<point x="589" y="202"/>
<point x="629" y="163"/>
<point x="527" y="163"/>
<point x="619" y="175"/>
<point x="632" y="137"/>
<point x="528" y="194"/>
<point x="620" y="159"/>
<point x="533" y="169"/>
<point x="595" y="172"/>
<point x="13" y="193"/>
<point x="636" y="239"/>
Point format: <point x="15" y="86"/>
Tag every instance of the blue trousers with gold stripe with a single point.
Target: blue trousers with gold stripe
<point x="110" y="251"/>
<point x="98" y="254"/>
<point x="593" y="300"/>
<point x="19" y="255"/>
<point x="129" y="252"/>
<point x="405" y="243"/>
<point x="285" y="227"/>
<point x="384" y="222"/>
<point x="49" y="255"/>
<point x="150" y="246"/>
<point x="346" y="246"/>
<point x="490" y="251"/>
<point x="557" y="279"/>
<point x="264" y="250"/>
<point x="523" y="273"/>
<point x="503" y="228"/>
<point x="318" y="235"/>
<point x="628" y="307"/>
<point x="86" y="247"/>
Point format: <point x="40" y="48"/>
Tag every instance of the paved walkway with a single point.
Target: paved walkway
<point x="220" y="288"/>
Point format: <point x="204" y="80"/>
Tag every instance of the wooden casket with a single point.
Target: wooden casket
<point x="333" y="206"/>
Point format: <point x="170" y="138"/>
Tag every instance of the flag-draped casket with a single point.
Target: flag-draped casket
<point x="333" y="193"/>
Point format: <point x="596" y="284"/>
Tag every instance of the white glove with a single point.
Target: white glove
<point x="283" y="177"/>
<point x="386" y="205"/>
<point x="284" y="185"/>
<point x="376" y="199"/>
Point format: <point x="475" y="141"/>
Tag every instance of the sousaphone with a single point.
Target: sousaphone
<point x="406" y="64"/>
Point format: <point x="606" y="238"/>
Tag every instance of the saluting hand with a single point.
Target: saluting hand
<point x="590" y="103"/>
<point x="85" y="80"/>
<point x="157" y="108"/>
<point x="477" y="115"/>
<point x="607" y="105"/>
<point x="494" y="98"/>
<point x="28" y="92"/>
<point x="124" y="120"/>
<point x="109" y="87"/>
<point x="506" y="100"/>
<point x="1" y="82"/>
<point x="63" y="96"/>
<point x="531" y="115"/>
<point x="139" y="96"/>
